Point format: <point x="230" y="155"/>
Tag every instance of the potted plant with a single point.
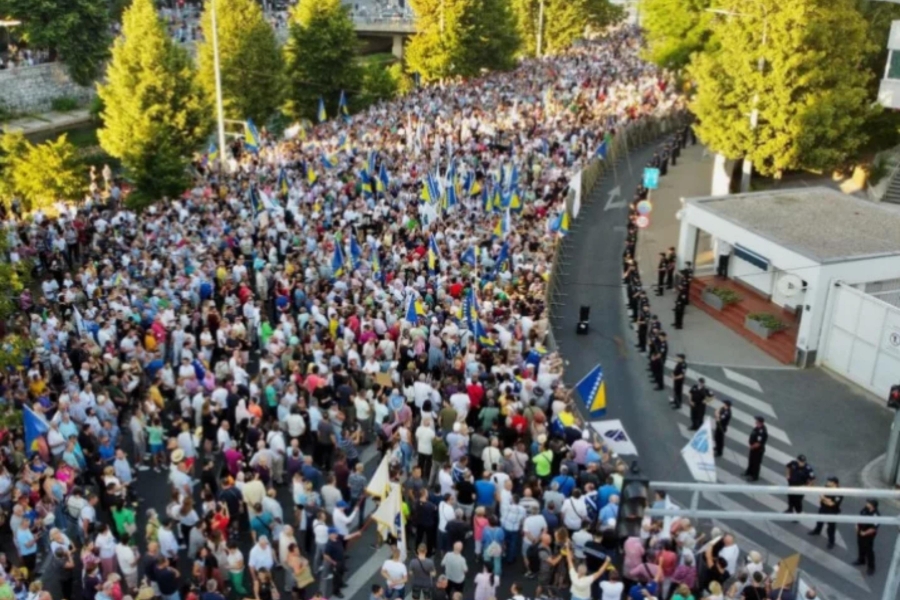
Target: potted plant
<point x="719" y="298"/>
<point x="763" y="324"/>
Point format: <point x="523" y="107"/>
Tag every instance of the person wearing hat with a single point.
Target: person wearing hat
<point x="865" y="536"/>
<point x="334" y="561"/>
<point x="723" y="418"/>
<point x="700" y="396"/>
<point x="798" y="473"/>
<point x="758" y="438"/>
<point x="829" y="505"/>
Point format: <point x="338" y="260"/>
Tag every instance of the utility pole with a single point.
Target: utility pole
<point x="540" y="31"/>
<point x="220" y="112"/>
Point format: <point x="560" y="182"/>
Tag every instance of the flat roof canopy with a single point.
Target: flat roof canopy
<point x="820" y="223"/>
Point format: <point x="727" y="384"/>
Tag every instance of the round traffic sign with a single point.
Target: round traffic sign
<point x="644" y="207"/>
<point x="642" y="221"/>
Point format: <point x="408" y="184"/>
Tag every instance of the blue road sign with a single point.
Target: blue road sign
<point x="651" y="178"/>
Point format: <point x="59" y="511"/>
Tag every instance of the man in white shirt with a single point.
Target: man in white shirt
<point x="262" y="556"/>
<point x="574" y="512"/>
<point x="341" y="519"/>
<point x="168" y="544"/>
<point x="425" y="435"/>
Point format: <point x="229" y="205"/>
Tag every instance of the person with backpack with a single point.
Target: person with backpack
<point x="492" y="539"/>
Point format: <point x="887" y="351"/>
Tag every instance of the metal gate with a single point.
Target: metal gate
<point x="862" y="339"/>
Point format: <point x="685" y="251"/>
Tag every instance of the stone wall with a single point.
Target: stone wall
<point x="33" y="89"/>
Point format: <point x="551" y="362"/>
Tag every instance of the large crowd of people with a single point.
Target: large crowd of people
<point x="378" y="280"/>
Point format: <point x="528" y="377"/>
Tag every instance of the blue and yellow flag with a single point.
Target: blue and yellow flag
<point x="337" y="261"/>
<point x="35" y="426"/>
<point x="251" y="136"/>
<point x="501" y="230"/>
<point x="212" y="152"/>
<point x="414" y="310"/>
<point x="564" y="222"/>
<point x="344" y="143"/>
<point x="384" y="180"/>
<point x="342" y="106"/>
<point x="283" y="186"/>
<point x="469" y="257"/>
<point x="310" y="175"/>
<point x="328" y="161"/>
<point x="321" y="115"/>
<point x="502" y="258"/>
<point x="376" y="267"/>
<point x="592" y="390"/>
<point x="355" y="253"/>
<point x="434" y="256"/>
<point x="254" y="201"/>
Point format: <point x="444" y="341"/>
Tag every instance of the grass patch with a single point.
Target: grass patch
<point x="64" y="104"/>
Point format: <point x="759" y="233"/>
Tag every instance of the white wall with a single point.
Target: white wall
<point x="751" y="275"/>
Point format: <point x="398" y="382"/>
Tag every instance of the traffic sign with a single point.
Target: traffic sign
<point x="642" y="221"/>
<point x="644" y="207"/>
<point x="651" y="178"/>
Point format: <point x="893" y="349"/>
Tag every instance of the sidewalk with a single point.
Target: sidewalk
<point x="47" y="121"/>
<point x="704" y="340"/>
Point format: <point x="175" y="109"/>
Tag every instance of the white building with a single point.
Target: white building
<point x="833" y="258"/>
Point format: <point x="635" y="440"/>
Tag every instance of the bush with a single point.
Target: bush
<point x="725" y="295"/>
<point x="96" y="108"/>
<point x="64" y="104"/>
<point x="768" y="320"/>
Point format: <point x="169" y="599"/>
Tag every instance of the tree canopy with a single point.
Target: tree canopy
<point x="154" y="111"/>
<point x="251" y="62"/>
<point x="675" y="29"/>
<point x="320" y="57"/>
<point x="39" y="174"/>
<point x="462" y="38"/>
<point x="75" y="30"/>
<point x="565" y="22"/>
<point x="811" y="94"/>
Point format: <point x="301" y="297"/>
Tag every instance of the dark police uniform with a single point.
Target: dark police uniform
<point x="670" y="268"/>
<point x="678" y="381"/>
<point x="829" y="505"/>
<point x="658" y="360"/>
<point x="661" y="271"/>
<point x="642" y="330"/>
<point x="687" y="276"/>
<point x="699" y="397"/>
<point x="758" y="438"/>
<point x="865" y="536"/>
<point x="799" y="473"/>
<point x="680" y="303"/>
<point x="723" y="418"/>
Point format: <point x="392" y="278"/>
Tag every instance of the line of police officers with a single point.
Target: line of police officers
<point x="650" y="333"/>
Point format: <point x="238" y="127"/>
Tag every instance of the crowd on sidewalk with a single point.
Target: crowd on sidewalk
<point x="379" y="279"/>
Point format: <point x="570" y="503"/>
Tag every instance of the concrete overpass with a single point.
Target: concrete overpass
<point x="379" y="31"/>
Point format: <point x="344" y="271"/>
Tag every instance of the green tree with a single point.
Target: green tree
<point x="250" y="60"/>
<point x="39" y="174"/>
<point x="675" y="29"/>
<point x="77" y="31"/>
<point x="462" y="38"/>
<point x="565" y="22"/>
<point x="379" y="82"/>
<point x="46" y="173"/>
<point x="320" y="57"/>
<point x="810" y="96"/>
<point x="154" y="111"/>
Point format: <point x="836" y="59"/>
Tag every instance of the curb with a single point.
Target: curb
<point x="870" y="477"/>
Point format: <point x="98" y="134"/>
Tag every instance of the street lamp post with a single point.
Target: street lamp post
<point x="747" y="166"/>
<point x="220" y="111"/>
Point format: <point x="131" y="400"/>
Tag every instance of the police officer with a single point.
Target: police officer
<point x="865" y="536"/>
<point x="798" y="473"/>
<point x="664" y="162"/>
<point x="829" y="505"/>
<point x="723" y="418"/>
<point x="670" y="268"/>
<point x="642" y="324"/>
<point x="758" y="438"/>
<point x="680" y="304"/>
<point x="700" y="396"/>
<point x="661" y="269"/>
<point x="687" y="276"/>
<point x="678" y="381"/>
<point x="658" y="359"/>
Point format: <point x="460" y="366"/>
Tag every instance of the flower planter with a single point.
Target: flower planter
<point x="758" y="328"/>
<point x="712" y="300"/>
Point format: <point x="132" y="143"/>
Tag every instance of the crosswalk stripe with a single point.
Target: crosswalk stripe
<point x="740" y="461"/>
<point x="773" y="503"/>
<point x="737" y="395"/>
<point x="793" y="541"/>
<point x="743" y="380"/>
<point x="740" y="416"/>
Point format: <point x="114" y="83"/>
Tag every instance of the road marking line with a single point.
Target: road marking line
<point x="807" y="550"/>
<point x="773" y="503"/>
<point x="364" y="573"/>
<point x="730" y="392"/>
<point x="740" y="416"/>
<point x="743" y="380"/>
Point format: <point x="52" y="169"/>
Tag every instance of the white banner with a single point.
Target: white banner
<point x="698" y="454"/>
<point x="614" y="437"/>
<point x="575" y="186"/>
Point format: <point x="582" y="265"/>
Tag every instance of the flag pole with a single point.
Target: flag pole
<point x="220" y="112"/>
